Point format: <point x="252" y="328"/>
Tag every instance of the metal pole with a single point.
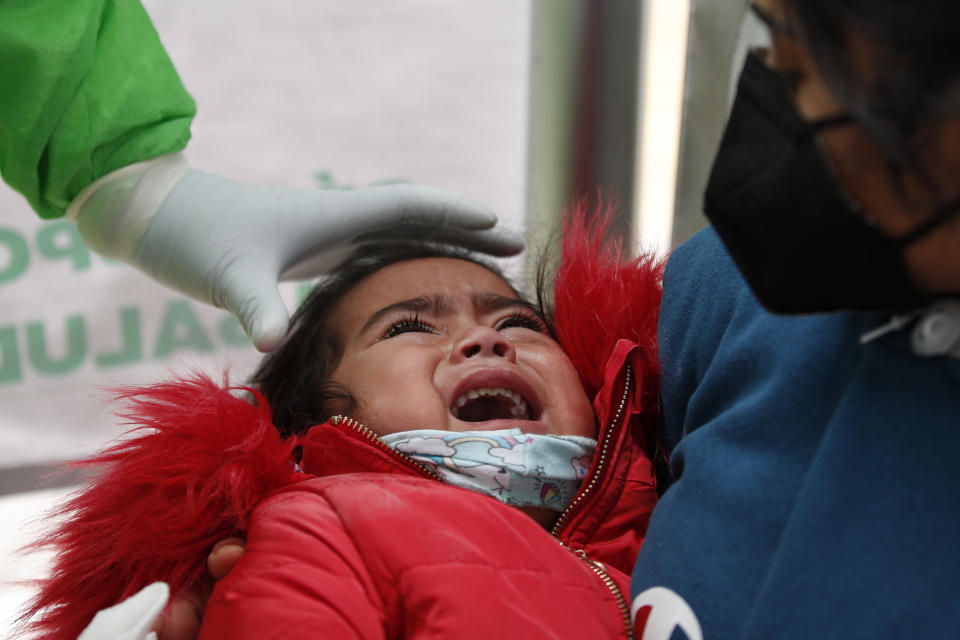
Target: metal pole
<point x="584" y="78"/>
<point x="720" y="34"/>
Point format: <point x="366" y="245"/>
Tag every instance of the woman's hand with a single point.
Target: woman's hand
<point x="224" y="557"/>
<point x="181" y="620"/>
<point x="147" y="609"/>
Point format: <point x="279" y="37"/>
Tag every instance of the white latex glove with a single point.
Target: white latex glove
<point x="132" y="618"/>
<point x="228" y="243"/>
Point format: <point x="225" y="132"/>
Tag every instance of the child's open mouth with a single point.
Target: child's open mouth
<point x="495" y="394"/>
<point x="486" y="403"/>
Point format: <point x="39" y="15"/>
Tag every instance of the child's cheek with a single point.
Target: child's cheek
<point x="537" y="358"/>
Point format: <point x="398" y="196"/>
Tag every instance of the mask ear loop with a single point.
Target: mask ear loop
<point x="942" y="215"/>
<point x="813" y="128"/>
<point x="839" y="120"/>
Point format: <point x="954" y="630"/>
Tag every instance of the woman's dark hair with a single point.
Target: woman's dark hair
<point x="295" y="377"/>
<point x="917" y="70"/>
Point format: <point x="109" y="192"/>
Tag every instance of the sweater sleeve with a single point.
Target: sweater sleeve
<point x="301" y="575"/>
<point x="87" y="89"/>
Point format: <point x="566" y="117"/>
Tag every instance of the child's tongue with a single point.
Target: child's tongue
<point x="487" y="408"/>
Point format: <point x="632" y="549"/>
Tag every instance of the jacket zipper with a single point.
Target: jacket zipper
<point x="601" y="572"/>
<point x="376" y="440"/>
<point x="604" y="450"/>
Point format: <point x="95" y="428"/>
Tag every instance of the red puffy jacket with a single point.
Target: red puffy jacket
<point x="362" y="545"/>
<point x="373" y="549"/>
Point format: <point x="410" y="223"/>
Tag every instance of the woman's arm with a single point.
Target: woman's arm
<point x="87" y="89"/>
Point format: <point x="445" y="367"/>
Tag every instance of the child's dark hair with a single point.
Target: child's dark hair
<point x="295" y="377"/>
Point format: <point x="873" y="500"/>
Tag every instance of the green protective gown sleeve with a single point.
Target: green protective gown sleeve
<point x="85" y="88"/>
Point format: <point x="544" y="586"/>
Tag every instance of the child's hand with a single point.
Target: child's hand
<point x="181" y="621"/>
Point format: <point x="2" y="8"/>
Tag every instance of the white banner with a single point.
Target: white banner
<point x="330" y="94"/>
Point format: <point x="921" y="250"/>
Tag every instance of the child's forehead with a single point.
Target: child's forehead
<point x="432" y="276"/>
<point x="456" y="281"/>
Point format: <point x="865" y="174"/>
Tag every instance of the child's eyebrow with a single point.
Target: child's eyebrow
<point x="487" y="302"/>
<point x="439" y="305"/>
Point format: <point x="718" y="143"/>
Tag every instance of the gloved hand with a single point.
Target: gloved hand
<point x="228" y="243"/>
<point x="130" y="619"/>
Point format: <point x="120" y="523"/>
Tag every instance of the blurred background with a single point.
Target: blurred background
<point x="521" y="104"/>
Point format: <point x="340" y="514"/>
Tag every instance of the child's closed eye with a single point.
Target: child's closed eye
<point x="408" y="324"/>
<point x="415" y="324"/>
<point x="523" y="321"/>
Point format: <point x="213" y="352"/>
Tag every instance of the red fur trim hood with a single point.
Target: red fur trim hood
<point x="603" y="295"/>
<point x="199" y="460"/>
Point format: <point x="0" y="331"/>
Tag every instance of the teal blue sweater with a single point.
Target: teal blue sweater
<point x="816" y="480"/>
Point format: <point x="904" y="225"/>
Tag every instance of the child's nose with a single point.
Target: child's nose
<point x="483" y="342"/>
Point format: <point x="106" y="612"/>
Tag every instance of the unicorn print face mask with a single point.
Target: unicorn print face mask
<point x="519" y="469"/>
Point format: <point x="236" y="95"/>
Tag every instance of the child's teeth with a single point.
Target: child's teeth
<point x="519" y="408"/>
